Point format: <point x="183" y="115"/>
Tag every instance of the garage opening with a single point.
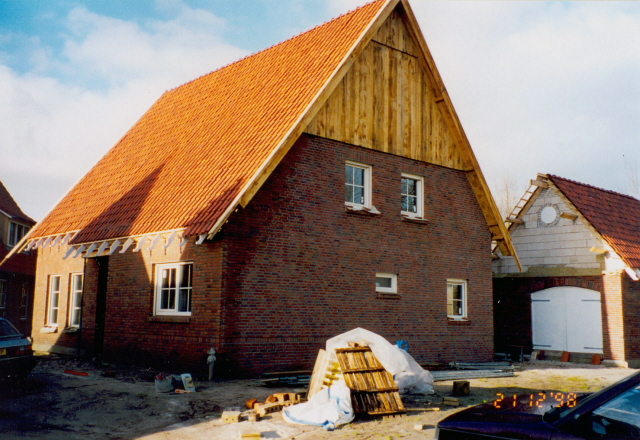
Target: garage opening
<point x="567" y="319"/>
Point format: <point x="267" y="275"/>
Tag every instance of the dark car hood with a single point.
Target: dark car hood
<point x="518" y="417"/>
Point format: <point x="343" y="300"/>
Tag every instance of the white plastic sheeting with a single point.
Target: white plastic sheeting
<point x="408" y="375"/>
<point x="329" y="407"/>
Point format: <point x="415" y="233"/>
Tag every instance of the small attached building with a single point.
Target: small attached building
<point x="579" y="289"/>
<point x="320" y="185"/>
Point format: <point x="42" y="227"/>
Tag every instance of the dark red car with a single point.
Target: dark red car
<point x="611" y="413"/>
<point x="16" y="355"/>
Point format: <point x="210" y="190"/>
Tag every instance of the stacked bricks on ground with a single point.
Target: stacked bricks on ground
<point x="294" y="269"/>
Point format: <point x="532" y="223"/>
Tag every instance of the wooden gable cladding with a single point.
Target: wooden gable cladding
<point x="387" y="102"/>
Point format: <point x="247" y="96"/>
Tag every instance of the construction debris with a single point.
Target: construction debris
<point x="439" y="376"/>
<point x="461" y="388"/>
<point x="450" y="401"/>
<point x="230" y="416"/>
<point x="502" y="366"/>
<point x="325" y="373"/>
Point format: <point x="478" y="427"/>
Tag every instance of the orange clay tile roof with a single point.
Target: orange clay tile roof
<point x="615" y="216"/>
<point x="9" y="206"/>
<point x="191" y="153"/>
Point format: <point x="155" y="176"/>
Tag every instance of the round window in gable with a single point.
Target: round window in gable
<point x="548" y="215"/>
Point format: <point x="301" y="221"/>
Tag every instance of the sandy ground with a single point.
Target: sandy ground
<point x="55" y="405"/>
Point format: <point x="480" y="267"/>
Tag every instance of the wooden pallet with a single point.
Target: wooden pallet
<point x="373" y="391"/>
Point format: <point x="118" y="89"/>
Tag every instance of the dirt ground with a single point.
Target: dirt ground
<point x="55" y="405"/>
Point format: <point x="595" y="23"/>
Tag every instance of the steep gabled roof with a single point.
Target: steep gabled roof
<point x="10" y="207"/>
<point x="184" y="162"/>
<point x="206" y="147"/>
<point x="615" y="216"/>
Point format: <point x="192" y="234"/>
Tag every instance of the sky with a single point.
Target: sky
<point x="540" y="87"/>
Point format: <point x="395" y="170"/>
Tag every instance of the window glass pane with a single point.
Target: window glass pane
<point x="77" y="282"/>
<point x="403" y="186"/>
<point x="411" y="204"/>
<point x="164" y="299"/>
<point x="358" y="195"/>
<point x="54" y="299"/>
<point x="12" y="233"/>
<point x="55" y="284"/>
<point x="383" y="282"/>
<point x="348" y="193"/>
<point x="621" y="415"/>
<point x="184" y="304"/>
<point x="358" y="176"/>
<point x="405" y="203"/>
<point x="185" y="276"/>
<point x="77" y="299"/>
<point x="172" y="299"/>
<point x="457" y="292"/>
<point x="411" y="187"/>
<point x="54" y="316"/>
<point x="449" y="308"/>
<point x="348" y="175"/>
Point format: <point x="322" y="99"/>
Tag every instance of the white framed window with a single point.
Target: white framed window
<point x="3" y="296"/>
<point x="75" y="300"/>
<point x="24" y="301"/>
<point x="16" y="232"/>
<point x="456" y="299"/>
<point x="54" y="300"/>
<point x="386" y="283"/>
<point x="173" y="289"/>
<point x="412" y="195"/>
<point x="357" y="185"/>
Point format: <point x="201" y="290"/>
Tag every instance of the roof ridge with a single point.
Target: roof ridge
<point x="594" y="187"/>
<point x="351" y="12"/>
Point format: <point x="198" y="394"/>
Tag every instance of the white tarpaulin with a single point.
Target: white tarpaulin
<point x="329" y="407"/>
<point x="408" y="375"/>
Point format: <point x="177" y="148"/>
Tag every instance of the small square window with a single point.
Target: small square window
<point x="357" y="186"/>
<point x="173" y="289"/>
<point x="3" y="296"/>
<point x="456" y="299"/>
<point x="386" y="283"/>
<point x="411" y="195"/>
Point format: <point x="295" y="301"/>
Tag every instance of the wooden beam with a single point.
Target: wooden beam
<point x="568" y="215"/>
<point x="540" y="183"/>
<point x="515" y="221"/>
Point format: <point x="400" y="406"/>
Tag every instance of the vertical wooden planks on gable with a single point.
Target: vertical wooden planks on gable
<point x="387" y="102"/>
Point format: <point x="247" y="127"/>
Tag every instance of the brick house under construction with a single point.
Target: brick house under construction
<point x="579" y="286"/>
<point x="322" y="184"/>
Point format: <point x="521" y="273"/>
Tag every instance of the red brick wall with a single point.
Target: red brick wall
<point x="293" y="269"/>
<point x="299" y="269"/>
<point x="631" y="307"/>
<point x="612" y="321"/>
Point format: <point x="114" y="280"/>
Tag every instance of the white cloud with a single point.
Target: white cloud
<point x="542" y="87"/>
<point x="54" y="128"/>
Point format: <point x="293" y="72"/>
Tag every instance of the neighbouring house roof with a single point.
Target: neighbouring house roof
<point x="206" y="147"/>
<point x="615" y="216"/>
<point x="10" y="207"/>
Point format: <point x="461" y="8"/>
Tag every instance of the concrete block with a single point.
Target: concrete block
<point x="531" y="224"/>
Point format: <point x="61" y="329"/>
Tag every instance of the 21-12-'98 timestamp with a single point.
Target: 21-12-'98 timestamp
<point x="537" y="400"/>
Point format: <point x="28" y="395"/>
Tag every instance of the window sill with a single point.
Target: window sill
<point x="169" y="318"/>
<point x="388" y="295"/>
<point x="365" y="210"/>
<point x="464" y="321"/>
<point x="49" y="329"/>
<point x="71" y="330"/>
<point x="419" y="220"/>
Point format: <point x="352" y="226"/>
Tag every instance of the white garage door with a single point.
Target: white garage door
<point x="567" y="319"/>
